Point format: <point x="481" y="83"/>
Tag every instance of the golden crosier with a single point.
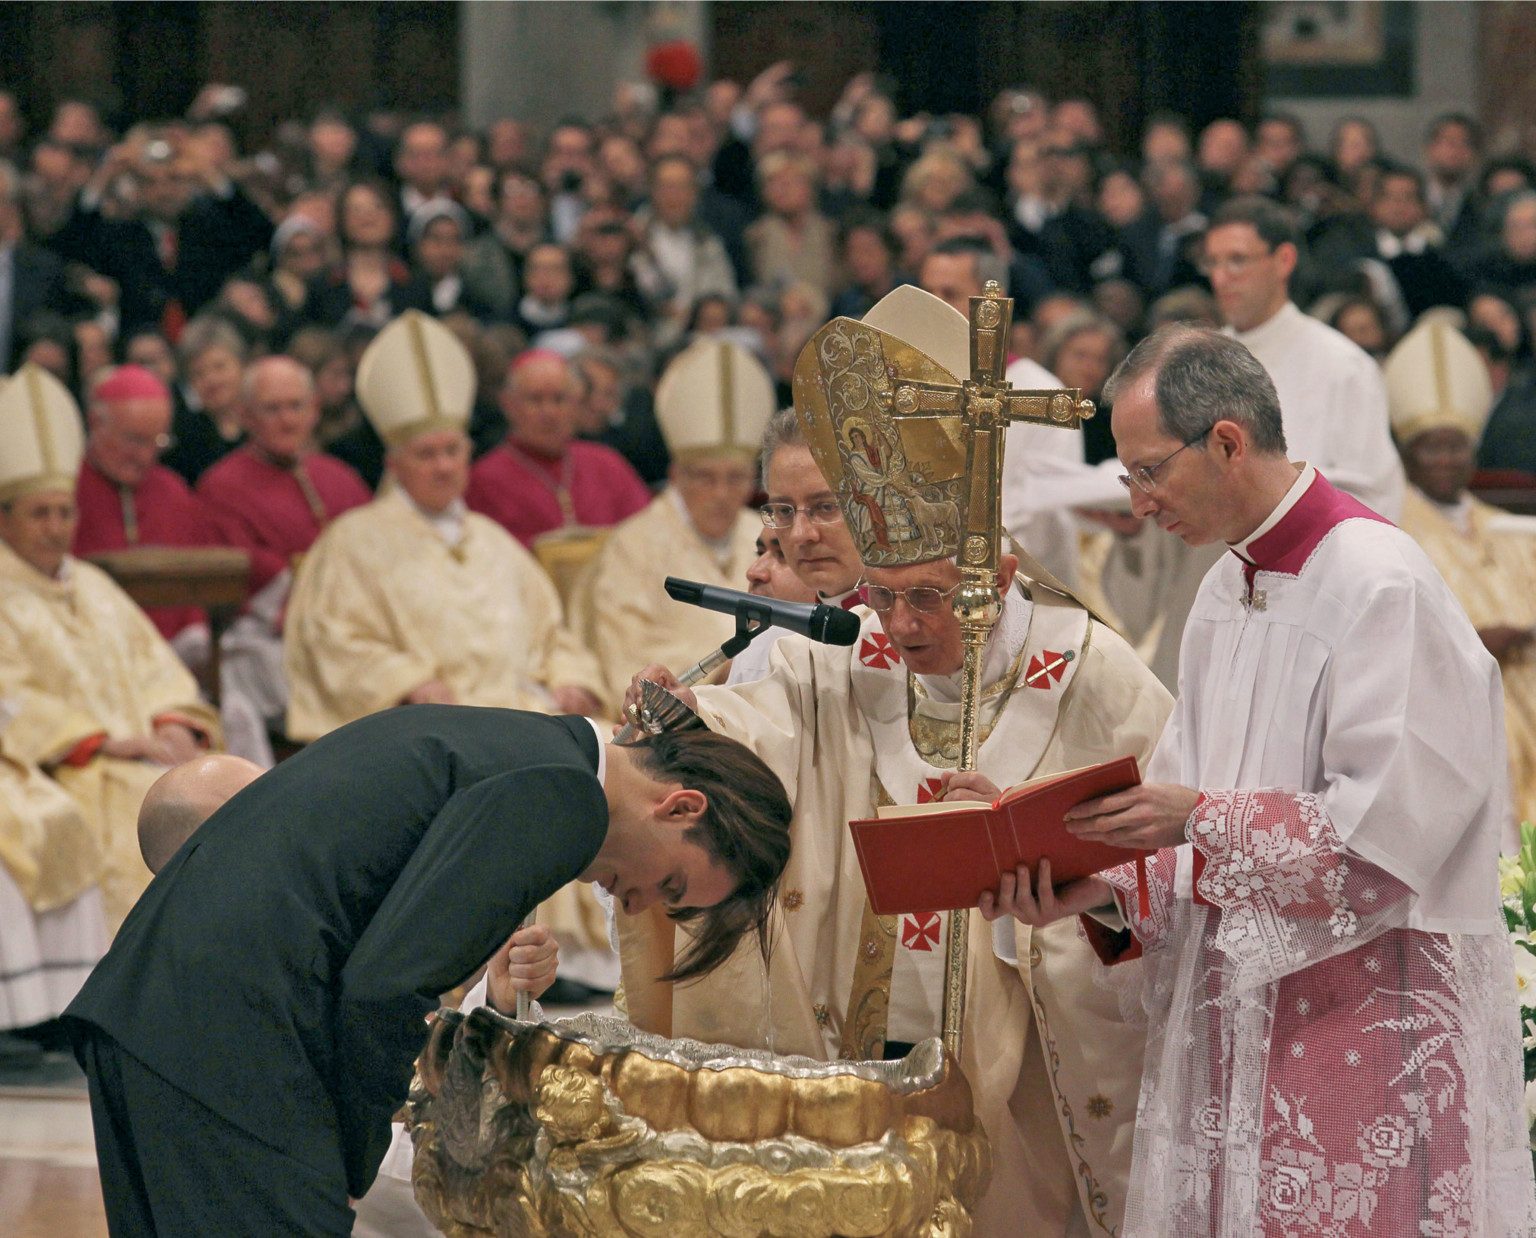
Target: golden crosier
<point x="591" y="1129"/>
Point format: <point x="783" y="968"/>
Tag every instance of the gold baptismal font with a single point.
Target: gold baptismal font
<point x="591" y="1128"/>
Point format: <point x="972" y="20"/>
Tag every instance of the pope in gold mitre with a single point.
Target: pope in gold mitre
<point x="1051" y="1049"/>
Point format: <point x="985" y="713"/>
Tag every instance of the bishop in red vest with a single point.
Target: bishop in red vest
<point x="126" y="498"/>
<point x="543" y="477"/>
<point x="272" y="496"/>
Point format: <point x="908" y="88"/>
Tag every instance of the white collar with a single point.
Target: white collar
<point x="827" y="599"/>
<point x="1292" y="497"/>
<point x="602" y="752"/>
<point x="1271" y="329"/>
<point x="448" y="523"/>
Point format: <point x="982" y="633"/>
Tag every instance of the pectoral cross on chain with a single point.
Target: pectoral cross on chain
<point x="984" y="404"/>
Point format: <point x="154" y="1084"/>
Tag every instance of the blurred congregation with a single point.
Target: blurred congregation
<point x="462" y="394"/>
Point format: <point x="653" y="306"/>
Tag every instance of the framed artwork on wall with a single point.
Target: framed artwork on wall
<point x="1328" y="48"/>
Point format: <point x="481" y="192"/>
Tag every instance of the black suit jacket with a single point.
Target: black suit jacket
<point x="215" y="237"/>
<point x="37" y="286"/>
<point x="281" y="967"/>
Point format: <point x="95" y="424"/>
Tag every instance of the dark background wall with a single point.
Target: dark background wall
<point x="146" y="60"/>
<point x="1132" y="59"/>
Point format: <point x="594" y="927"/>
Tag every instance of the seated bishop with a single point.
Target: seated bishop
<point x="541" y="479"/>
<point x="94" y="705"/>
<point x="126" y="498"/>
<point x="712" y="404"/>
<point x="1052" y="1038"/>
<point x="412" y="598"/>
<point x="272" y="496"/>
<point x="1439" y="396"/>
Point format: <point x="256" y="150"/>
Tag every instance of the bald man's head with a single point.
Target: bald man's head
<point x="183" y="798"/>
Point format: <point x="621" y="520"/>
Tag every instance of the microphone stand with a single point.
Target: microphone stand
<point x="746" y="630"/>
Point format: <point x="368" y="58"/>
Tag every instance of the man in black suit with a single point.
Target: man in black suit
<point x="253" y="1027"/>
<point x="31" y="277"/>
<point x="193" y="229"/>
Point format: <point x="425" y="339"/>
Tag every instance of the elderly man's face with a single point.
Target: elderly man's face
<point x="715" y="490"/>
<point x="540" y="403"/>
<point x="952" y="278"/>
<point x="127" y="437"/>
<point x="433" y="469"/>
<point x="929" y="641"/>
<point x="281" y="410"/>
<point x="39" y="528"/>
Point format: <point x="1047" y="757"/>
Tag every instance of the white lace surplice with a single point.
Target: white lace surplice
<point x="1333" y="1045"/>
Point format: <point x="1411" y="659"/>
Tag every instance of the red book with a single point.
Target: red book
<point x="940" y="857"/>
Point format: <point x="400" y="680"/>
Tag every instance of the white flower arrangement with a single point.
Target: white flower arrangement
<point x="1517" y="888"/>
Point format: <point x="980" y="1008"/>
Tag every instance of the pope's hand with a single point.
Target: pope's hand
<point x="658" y="674"/>
<point x="1044" y="903"/>
<point x="177" y="743"/>
<point x="1145" y="818"/>
<point x="526" y="964"/>
<point x="956" y="784"/>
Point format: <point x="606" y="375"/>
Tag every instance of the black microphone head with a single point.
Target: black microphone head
<point x="834" y="626"/>
<point x="684" y="590"/>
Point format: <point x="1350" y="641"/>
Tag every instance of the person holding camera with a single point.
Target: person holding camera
<point x="189" y="228"/>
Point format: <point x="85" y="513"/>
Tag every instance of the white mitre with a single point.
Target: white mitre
<point x="1437" y="380"/>
<point x="42" y="439"/>
<point x="714" y="399"/>
<point x="928" y="324"/>
<point x="415" y="378"/>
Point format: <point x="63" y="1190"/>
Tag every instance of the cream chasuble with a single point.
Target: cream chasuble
<point x="383" y="604"/>
<point x="622" y="608"/>
<point x="846" y="729"/>
<point x="78" y="659"/>
<point x="1491" y="568"/>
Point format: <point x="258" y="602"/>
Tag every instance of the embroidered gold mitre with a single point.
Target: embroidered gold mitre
<point x="41" y="436"/>
<point x="899" y="481"/>
<point x="415" y="378"/>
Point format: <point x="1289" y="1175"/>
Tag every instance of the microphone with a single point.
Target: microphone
<point x="831" y="625"/>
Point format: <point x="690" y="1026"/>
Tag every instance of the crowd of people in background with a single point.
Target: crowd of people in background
<point x="728" y="212"/>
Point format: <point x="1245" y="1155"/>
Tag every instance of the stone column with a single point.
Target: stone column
<point x="541" y="61"/>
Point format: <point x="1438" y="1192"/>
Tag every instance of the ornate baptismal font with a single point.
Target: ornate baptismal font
<point x="589" y="1128"/>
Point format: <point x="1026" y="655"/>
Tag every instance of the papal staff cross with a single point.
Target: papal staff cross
<point x="984" y="404"/>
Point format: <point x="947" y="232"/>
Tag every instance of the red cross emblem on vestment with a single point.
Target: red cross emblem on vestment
<point x="928" y="790"/>
<point x="921" y="932"/>
<point x="877" y="651"/>
<point x="1045" y="669"/>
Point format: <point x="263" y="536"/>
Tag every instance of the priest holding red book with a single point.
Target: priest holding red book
<point x="1334" y="1041"/>
<point x="1051" y="1050"/>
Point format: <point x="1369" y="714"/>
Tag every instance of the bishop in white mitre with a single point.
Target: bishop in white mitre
<point x="413" y="598"/>
<point x="1052" y="1039"/>
<point x="712" y="403"/>
<point x="1333" y="1043"/>
<point x="94" y="704"/>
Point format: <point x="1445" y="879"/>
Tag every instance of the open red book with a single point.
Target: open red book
<point x="940" y="857"/>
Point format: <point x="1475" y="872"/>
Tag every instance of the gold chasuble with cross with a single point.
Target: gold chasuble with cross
<point x="1051" y="1049"/>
